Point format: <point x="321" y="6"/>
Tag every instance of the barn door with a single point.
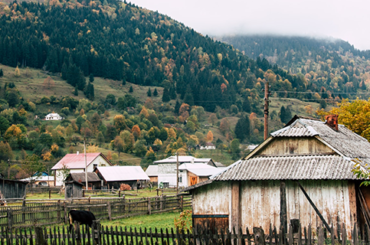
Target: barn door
<point x="193" y="180"/>
<point x="69" y="191"/>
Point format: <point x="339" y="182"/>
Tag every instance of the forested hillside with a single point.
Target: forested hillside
<point x="332" y="66"/>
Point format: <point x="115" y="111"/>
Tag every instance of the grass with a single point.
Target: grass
<point x="159" y="221"/>
<point x="216" y="155"/>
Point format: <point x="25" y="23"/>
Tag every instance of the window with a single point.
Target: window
<point x="95" y="165"/>
<point x="180" y="179"/>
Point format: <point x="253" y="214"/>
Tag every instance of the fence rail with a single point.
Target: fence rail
<point x="48" y="213"/>
<point x="137" y="236"/>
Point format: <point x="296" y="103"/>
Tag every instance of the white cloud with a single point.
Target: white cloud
<point x="347" y="20"/>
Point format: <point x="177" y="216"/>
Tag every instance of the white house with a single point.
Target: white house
<point x="208" y="146"/>
<point x="194" y="173"/>
<point x="167" y="169"/>
<point x="75" y="163"/>
<point x="53" y="116"/>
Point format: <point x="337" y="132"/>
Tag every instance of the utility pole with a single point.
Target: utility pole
<point x="266" y="110"/>
<point x="177" y="172"/>
<point x="87" y="186"/>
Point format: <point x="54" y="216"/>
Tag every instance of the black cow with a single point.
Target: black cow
<point x="83" y="217"/>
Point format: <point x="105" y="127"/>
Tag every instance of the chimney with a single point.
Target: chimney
<point x="192" y="160"/>
<point x="78" y="153"/>
<point x="332" y="121"/>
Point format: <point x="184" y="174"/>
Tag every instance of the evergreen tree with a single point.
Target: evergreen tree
<point x="282" y="114"/>
<point x="177" y="107"/>
<point x="288" y="114"/>
<point x="1" y="73"/>
<point x="242" y="128"/>
<point x="166" y="95"/>
<point x="131" y="89"/>
<point x="91" y="78"/>
<point x="173" y="94"/>
<point x="323" y="104"/>
<point x="149" y="93"/>
<point x="246" y="106"/>
<point x="76" y="91"/>
<point x="155" y="93"/>
<point x="188" y="98"/>
<point x="124" y="81"/>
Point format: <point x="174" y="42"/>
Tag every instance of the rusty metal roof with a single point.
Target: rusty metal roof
<point x="289" y="167"/>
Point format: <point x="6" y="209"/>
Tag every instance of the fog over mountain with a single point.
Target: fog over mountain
<point x="325" y="19"/>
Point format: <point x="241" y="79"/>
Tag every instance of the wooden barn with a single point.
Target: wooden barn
<point x="93" y="180"/>
<point x="302" y="167"/>
<point x="12" y="188"/>
<point x="114" y="176"/>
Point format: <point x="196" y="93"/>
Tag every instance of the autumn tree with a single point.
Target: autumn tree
<point x="212" y="119"/>
<point x="136" y="131"/>
<point x="119" y="123"/>
<point x="118" y="144"/>
<point x="5" y="151"/>
<point x="209" y="136"/>
<point x="92" y="148"/>
<point x="224" y="126"/>
<point x="48" y="83"/>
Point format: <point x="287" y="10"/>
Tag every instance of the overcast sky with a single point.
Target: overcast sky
<point x="343" y="19"/>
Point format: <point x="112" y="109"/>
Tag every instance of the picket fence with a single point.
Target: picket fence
<point x="98" y="235"/>
<point x="51" y="213"/>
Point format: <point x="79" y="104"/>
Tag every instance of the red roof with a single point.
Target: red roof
<point x="73" y="161"/>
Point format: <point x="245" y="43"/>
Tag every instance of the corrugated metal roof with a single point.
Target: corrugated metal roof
<point x="183" y="159"/>
<point x="39" y="178"/>
<point x="80" y="177"/>
<point x="296" y="129"/>
<point x="200" y="169"/>
<point x="123" y="173"/>
<point x="289" y="167"/>
<point x="73" y="161"/>
<point x="152" y="170"/>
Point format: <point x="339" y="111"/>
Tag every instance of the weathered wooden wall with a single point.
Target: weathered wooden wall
<point x="282" y="146"/>
<point x="212" y="199"/>
<point x="260" y="202"/>
<point x="13" y="189"/>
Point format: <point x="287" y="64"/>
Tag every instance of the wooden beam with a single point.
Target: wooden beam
<point x="314" y="207"/>
<point x="283" y="212"/>
<point x="235" y="205"/>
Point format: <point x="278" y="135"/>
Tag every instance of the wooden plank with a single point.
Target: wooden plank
<point x="352" y="203"/>
<point x="283" y="205"/>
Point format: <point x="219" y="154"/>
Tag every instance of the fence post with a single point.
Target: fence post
<point x="109" y="211"/>
<point x="124" y="202"/>
<point x="39" y="236"/>
<point x="24" y="211"/>
<point x="58" y="212"/>
<point x="149" y="207"/>
<point x="164" y="202"/>
<point x="161" y="203"/>
<point x="10" y="219"/>
<point x="65" y="213"/>
<point x="182" y="203"/>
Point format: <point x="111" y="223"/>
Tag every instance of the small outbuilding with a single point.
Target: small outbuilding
<point x="114" y="176"/>
<point x="12" y="188"/>
<point x="301" y="172"/>
<point x="93" y="180"/>
<point x="73" y="189"/>
<point x="152" y="172"/>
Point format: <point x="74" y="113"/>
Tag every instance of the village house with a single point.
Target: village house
<point x="208" y="146"/>
<point x="167" y="169"/>
<point x="269" y="186"/>
<point x="194" y="173"/>
<point x="114" y="176"/>
<point x="53" y="116"/>
<point x="75" y="163"/>
<point x="42" y="180"/>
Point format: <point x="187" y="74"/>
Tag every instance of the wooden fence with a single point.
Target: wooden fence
<point x="138" y="236"/>
<point x="50" y="213"/>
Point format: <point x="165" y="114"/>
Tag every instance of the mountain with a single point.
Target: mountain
<point x="334" y="66"/>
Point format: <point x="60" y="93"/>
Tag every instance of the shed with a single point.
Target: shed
<point x="268" y="186"/>
<point x="12" y="188"/>
<point x="73" y="189"/>
<point x="93" y="179"/>
<point x="114" y="176"/>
